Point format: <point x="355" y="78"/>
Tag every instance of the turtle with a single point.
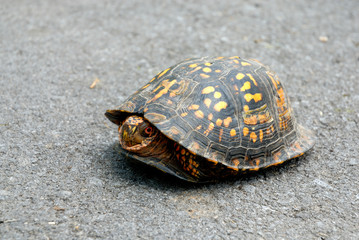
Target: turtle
<point x="210" y="118"/>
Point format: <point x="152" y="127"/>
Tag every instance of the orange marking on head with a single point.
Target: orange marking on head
<point x="163" y="72"/>
<point x="227" y="121"/>
<point x="252" y="120"/>
<point x="193" y="65"/>
<point x="183" y="151"/>
<point x="207" y="90"/>
<point x="207" y="70"/>
<point x="256" y="97"/>
<point x="220" y="134"/>
<point x="220" y="105"/>
<point x="207" y="102"/>
<point x="199" y="114"/>
<point x="210" y="116"/>
<point x="146" y="109"/>
<point x="261" y="135"/>
<point x="253" y="136"/>
<point x="239" y="76"/>
<point x="217" y="95"/>
<point x="219" y="122"/>
<point x="193" y="107"/>
<point x="233" y="132"/>
<point x="246" y="86"/>
<point x="204" y="75"/>
<point x="245" y="131"/>
<point x="252" y="78"/>
<point x="184" y="114"/>
<point x="245" y="63"/>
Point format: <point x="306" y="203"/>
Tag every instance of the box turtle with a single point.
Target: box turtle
<point x="208" y="118"/>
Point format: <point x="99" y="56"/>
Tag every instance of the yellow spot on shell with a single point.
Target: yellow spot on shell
<point x="236" y="61"/>
<point x="239" y="76"/>
<point x="193" y="65"/>
<point x="198" y="127"/>
<point x="232" y="132"/>
<point x="207" y="70"/>
<point x="227" y="121"/>
<point x="145" y="86"/>
<point x="252" y="120"/>
<point x="184" y="114"/>
<point x="245" y="108"/>
<point x="233" y="57"/>
<point x="210" y="116"/>
<point x="208" y="64"/>
<point x="246" y="86"/>
<point x="219" y="122"/>
<point x="253" y="136"/>
<point x="252" y="78"/>
<point x="193" y="107"/>
<point x="218" y="58"/>
<point x="199" y="114"/>
<point x="218" y="71"/>
<point x="220" y="105"/>
<point x="245" y="64"/>
<point x="204" y="75"/>
<point x="245" y="131"/>
<point x="163" y="72"/>
<point x="167" y="85"/>
<point x="210" y="128"/>
<point x="261" y="135"/>
<point x="220" y="134"/>
<point x="256" y="97"/>
<point x="207" y="90"/>
<point x="152" y="79"/>
<point x="207" y="102"/>
<point x="217" y="95"/>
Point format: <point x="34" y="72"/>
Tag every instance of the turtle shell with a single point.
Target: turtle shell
<point x="228" y="110"/>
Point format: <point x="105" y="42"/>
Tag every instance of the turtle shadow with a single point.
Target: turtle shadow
<point x="132" y="172"/>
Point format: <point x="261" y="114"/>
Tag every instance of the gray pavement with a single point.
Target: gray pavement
<point x="61" y="177"/>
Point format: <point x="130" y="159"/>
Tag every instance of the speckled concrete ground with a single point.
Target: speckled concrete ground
<point x="60" y="176"/>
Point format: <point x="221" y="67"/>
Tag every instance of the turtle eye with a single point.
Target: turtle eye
<point x="148" y="130"/>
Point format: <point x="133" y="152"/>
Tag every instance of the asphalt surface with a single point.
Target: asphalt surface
<point x="61" y="176"/>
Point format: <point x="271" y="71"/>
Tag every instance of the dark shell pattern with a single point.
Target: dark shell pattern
<point x="228" y="110"/>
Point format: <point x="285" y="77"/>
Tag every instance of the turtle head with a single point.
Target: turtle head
<point x="136" y="134"/>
